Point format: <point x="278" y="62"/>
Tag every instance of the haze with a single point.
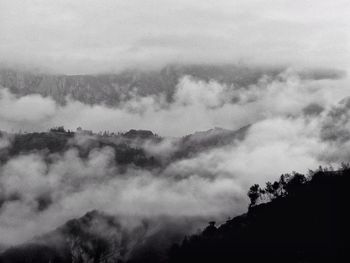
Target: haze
<point x="85" y="36"/>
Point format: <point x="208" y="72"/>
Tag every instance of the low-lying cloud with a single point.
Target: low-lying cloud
<point x="197" y="105"/>
<point x="287" y="132"/>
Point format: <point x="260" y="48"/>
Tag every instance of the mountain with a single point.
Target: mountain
<point x="295" y="219"/>
<point x="306" y="220"/>
<point x="103" y="238"/>
<point x="95" y="237"/>
<point x="111" y="89"/>
<point x="56" y="141"/>
<point x="202" y="141"/>
<point x="129" y="147"/>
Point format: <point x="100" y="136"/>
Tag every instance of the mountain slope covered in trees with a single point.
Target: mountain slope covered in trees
<point x="128" y="147"/>
<point x="111" y="89"/>
<point x="296" y="219"/>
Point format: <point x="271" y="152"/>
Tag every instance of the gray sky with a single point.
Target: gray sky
<point x="84" y="36"/>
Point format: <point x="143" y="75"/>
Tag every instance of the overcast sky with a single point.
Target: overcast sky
<point x="295" y="123"/>
<point x="84" y="36"/>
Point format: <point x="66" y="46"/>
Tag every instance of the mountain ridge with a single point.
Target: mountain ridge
<point x="111" y="89"/>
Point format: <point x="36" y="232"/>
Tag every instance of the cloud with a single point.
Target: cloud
<point x="97" y="36"/>
<point x="41" y="192"/>
<point x="4" y="141"/>
<point x="197" y="105"/>
<point x="295" y="123"/>
<point x="25" y="110"/>
<point x="75" y="186"/>
<point x="210" y="185"/>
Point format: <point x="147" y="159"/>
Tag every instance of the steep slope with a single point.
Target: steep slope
<point x="110" y="89"/>
<point x="193" y="144"/>
<point x="101" y="238"/>
<point x="127" y="150"/>
<point x="95" y="237"/>
<point x="306" y="221"/>
<point x="296" y="219"/>
<point x="129" y="147"/>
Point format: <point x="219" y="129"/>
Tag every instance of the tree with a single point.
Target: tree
<point x="295" y="182"/>
<point x="58" y="129"/>
<point x="254" y="194"/>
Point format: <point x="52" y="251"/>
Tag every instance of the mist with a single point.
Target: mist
<point x="293" y="125"/>
<point x="197" y="105"/>
<point x="82" y="37"/>
<point x="163" y="114"/>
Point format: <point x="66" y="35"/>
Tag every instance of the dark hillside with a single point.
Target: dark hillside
<point x="306" y="221"/>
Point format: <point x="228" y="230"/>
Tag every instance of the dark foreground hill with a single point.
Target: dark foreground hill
<point x="295" y="219"/>
<point x="307" y="220"/>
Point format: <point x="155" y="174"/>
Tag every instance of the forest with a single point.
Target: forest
<point x="298" y="218"/>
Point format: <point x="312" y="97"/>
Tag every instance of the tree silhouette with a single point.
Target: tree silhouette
<point x="306" y="220"/>
<point x="254" y="194"/>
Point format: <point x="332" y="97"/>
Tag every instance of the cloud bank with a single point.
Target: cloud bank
<point x="97" y="36"/>
<point x="197" y="105"/>
<point x="295" y="124"/>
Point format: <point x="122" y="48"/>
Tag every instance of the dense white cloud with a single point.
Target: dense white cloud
<point x="92" y="36"/>
<point x="283" y="137"/>
<point x="27" y="109"/>
<point x="197" y="105"/>
<point x="210" y="185"/>
<point x="75" y="186"/>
